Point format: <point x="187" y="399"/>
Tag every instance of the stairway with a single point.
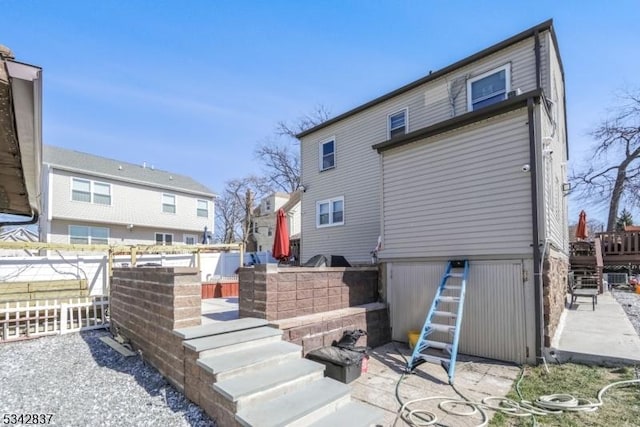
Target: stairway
<point x="242" y="374"/>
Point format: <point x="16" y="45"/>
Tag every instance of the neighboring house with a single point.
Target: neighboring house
<point x="17" y="234"/>
<point x="262" y="229"/>
<point x="466" y="162"/>
<point x="94" y="200"/>
<point x="20" y="139"/>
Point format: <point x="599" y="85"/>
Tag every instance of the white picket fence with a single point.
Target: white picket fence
<point x="29" y="319"/>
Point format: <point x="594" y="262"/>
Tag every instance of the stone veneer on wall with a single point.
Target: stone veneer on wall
<point x="273" y="293"/>
<point x="147" y="304"/>
<point x="554" y="279"/>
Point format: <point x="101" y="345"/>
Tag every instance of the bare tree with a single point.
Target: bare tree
<point x="236" y="205"/>
<point x="280" y="154"/>
<point x="613" y="174"/>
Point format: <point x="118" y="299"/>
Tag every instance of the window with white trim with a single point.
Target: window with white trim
<point x="168" y="203"/>
<point x="86" y="235"/>
<point x="328" y="154"/>
<point x="203" y="208"/>
<point x="190" y="239"/>
<point x="489" y="88"/>
<point x="85" y="190"/>
<point x="397" y="123"/>
<point x="164" y="239"/>
<point x="330" y="212"/>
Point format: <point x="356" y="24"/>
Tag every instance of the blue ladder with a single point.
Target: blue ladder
<point x="454" y="294"/>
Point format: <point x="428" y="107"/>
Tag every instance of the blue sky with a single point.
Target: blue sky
<point x="193" y="86"/>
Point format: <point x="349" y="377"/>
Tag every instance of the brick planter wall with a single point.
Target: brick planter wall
<point x="273" y="293"/>
<point x="147" y="304"/>
<point x="554" y="280"/>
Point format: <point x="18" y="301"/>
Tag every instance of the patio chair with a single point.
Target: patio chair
<point x="577" y="291"/>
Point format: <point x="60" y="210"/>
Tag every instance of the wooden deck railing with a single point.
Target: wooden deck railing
<point x="620" y="243"/>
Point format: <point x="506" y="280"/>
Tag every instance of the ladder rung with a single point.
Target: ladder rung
<point x="434" y="359"/>
<point x="437" y="344"/>
<point x="441" y="328"/>
<point x="449" y="299"/>
<point x="445" y="314"/>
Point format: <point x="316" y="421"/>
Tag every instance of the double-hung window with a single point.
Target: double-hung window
<point x="489" y="88"/>
<point x="168" y="203"/>
<point x="84" y="190"/>
<point x="85" y="235"/>
<point x="203" y="208"/>
<point x="330" y="212"/>
<point x="328" y="154"/>
<point x="397" y="123"/>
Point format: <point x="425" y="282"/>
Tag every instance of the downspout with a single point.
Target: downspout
<point x="537" y="274"/>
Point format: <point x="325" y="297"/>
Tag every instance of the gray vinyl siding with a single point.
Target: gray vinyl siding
<point x="119" y="234"/>
<point x="496" y="320"/>
<point x="460" y="194"/>
<point x="357" y="172"/>
<point x="130" y="204"/>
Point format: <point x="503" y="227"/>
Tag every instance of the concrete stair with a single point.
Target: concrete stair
<point x="243" y="374"/>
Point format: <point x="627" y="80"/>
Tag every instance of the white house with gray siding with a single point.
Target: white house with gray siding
<point x="467" y="162"/>
<point x="94" y="200"/>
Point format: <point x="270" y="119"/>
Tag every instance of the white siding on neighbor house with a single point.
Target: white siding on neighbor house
<point x="357" y="172"/>
<point x="495" y="321"/>
<point x="119" y="234"/>
<point x="461" y="193"/>
<point x="130" y="204"/>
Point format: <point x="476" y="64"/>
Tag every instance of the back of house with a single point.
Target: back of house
<point x="467" y="162"/>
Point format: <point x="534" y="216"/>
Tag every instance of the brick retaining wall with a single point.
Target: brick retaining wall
<point x="147" y="304"/>
<point x="273" y="293"/>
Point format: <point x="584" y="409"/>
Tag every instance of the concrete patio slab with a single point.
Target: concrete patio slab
<point x="475" y="378"/>
<point x="601" y="336"/>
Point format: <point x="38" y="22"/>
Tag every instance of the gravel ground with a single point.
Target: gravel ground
<point x="83" y="382"/>
<point x="630" y="302"/>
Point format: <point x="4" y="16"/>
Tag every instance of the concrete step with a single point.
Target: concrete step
<point x="249" y="360"/>
<point x="233" y="341"/>
<point x="300" y="408"/>
<point x="219" y="328"/>
<point x="272" y="381"/>
<point x="353" y="414"/>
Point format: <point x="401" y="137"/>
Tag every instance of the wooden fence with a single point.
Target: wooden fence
<point x="29" y="319"/>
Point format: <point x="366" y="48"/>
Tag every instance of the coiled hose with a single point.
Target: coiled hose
<point x="553" y="404"/>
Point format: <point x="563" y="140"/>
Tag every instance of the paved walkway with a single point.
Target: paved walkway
<point x="604" y="335"/>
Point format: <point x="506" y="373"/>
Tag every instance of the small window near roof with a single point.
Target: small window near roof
<point x="327" y="154"/>
<point x="397" y="123"/>
<point x="488" y="88"/>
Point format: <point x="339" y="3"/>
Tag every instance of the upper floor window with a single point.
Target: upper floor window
<point x="203" y="208"/>
<point x="397" y="123"/>
<point x="330" y="212"/>
<point x="85" y="235"/>
<point x="489" y="88"/>
<point x="84" y="190"/>
<point x="328" y="154"/>
<point x="164" y="239"/>
<point x="168" y="203"/>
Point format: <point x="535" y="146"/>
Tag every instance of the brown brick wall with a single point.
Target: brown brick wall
<point x="320" y="330"/>
<point x="554" y="281"/>
<point x="268" y="292"/>
<point x="147" y="304"/>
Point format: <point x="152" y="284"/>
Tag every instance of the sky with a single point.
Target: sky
<point x="193" y="86"/>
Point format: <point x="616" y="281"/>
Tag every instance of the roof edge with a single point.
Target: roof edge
<point x="463" y="120"/>
<point x="543" y="26"/>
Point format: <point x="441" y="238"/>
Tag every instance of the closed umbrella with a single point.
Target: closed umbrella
<point x="281" y="237"/>
<point x="581" y="229"/>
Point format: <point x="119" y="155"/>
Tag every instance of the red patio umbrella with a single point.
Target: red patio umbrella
<point x="281" y="237"/>
<point x="581" y="229"/>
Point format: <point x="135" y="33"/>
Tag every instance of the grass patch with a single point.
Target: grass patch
<point x="621" y="405"/>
